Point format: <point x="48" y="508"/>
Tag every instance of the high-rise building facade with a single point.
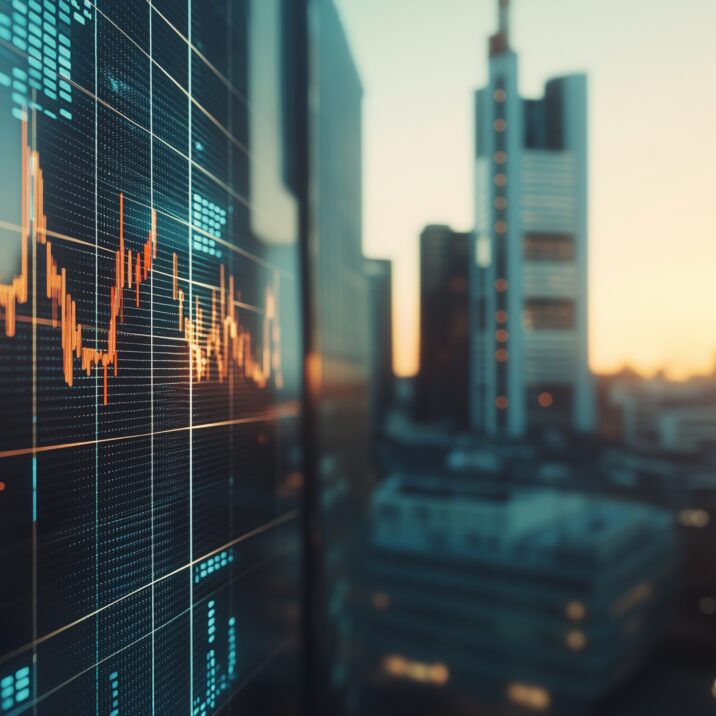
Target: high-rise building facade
<point x="529" y="361"/>
<point x="441" y="392"/>
<point x="340" y="353"/>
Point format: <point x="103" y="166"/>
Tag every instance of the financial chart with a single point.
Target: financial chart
<point x="150" y="355"/>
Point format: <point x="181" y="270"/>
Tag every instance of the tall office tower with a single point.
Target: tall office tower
<point x="442" y="383"/>
<point x="529" y="364"/>
<point x="380" y="289"/>
<point x="341" y="361"/>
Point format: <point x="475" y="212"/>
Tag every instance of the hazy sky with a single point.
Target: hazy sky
<point x="652" y="75"/>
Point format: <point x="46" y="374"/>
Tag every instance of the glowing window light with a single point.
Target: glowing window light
<point x="576" y="640"/>
<point x="536" y="698"/>
<point x="398" y="667"/>
<point x="694" y="518"/>
<point x="576" y="611"/>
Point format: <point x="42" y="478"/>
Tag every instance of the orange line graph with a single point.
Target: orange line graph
<point x="225" y="341"/>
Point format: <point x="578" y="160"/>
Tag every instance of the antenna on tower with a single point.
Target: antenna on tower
<point x="504" y="10"/>
<point x="500" y="42"/>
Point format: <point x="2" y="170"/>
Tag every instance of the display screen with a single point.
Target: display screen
<point x="150" y="356"/>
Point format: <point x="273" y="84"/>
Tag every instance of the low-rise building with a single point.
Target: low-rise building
<point x="503" y="598"/>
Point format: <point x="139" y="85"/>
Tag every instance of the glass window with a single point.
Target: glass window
<point x="548" y="247"/>
<point x="549" y="314"/>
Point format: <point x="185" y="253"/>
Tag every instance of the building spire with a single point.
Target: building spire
<point x="500" y="41"/>
<point x="504" y="10"/>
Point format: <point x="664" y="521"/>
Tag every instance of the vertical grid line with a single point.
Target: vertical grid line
<point x="25" y="174"/>
<point x="191" y="380"/>
<point x="230" y="153"/>
<point x="151" y="334"/>
<point x="96" y="373"/>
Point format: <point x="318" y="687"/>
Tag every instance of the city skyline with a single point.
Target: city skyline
<point x="216" y="497"/>
<point x="633" y="320"/>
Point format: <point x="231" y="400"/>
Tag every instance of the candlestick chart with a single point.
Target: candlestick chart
<point x="150" y="361"/>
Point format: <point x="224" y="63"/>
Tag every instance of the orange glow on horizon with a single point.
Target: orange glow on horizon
<point x="604" y="358"/>
<point x="651" y="247"/>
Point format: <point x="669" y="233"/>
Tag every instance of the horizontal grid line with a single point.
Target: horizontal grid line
<point x="195" y="165"/>
<point x="164" y="625"/>
<point x="204" y="59"/>
<point x="277" y="522"/>
<point x="289" y="410"/>
<point x="194" y="101"/>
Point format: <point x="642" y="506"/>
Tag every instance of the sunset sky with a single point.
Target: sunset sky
<point x="652" y="74"/>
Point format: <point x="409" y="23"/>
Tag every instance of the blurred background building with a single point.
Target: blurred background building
<point x="533" y="597"/>
<point x="380" y="303"/>
<point x="566" y="569"/>
<point x="662" y="414"/>
<point x="444" y="326"/>
<point x="529" y="360"/>
<point x="340" y="364"/>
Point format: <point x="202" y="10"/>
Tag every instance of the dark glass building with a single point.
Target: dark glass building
<point x="339" y="361"/>
<point x="442" y="380"/>
<point x="380" y="298"/>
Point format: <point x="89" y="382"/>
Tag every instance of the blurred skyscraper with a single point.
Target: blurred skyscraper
<point x="441" y="390"/>
<point x="529" y="360"/>
<point x="340" y="364"/>
<point x="380" y="290"/>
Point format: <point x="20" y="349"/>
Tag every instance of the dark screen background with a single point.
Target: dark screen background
<point x="149" y="545"/>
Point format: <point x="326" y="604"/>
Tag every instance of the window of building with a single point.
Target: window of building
<point x="549" y="314"/>
<point x="548" y="247"/>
